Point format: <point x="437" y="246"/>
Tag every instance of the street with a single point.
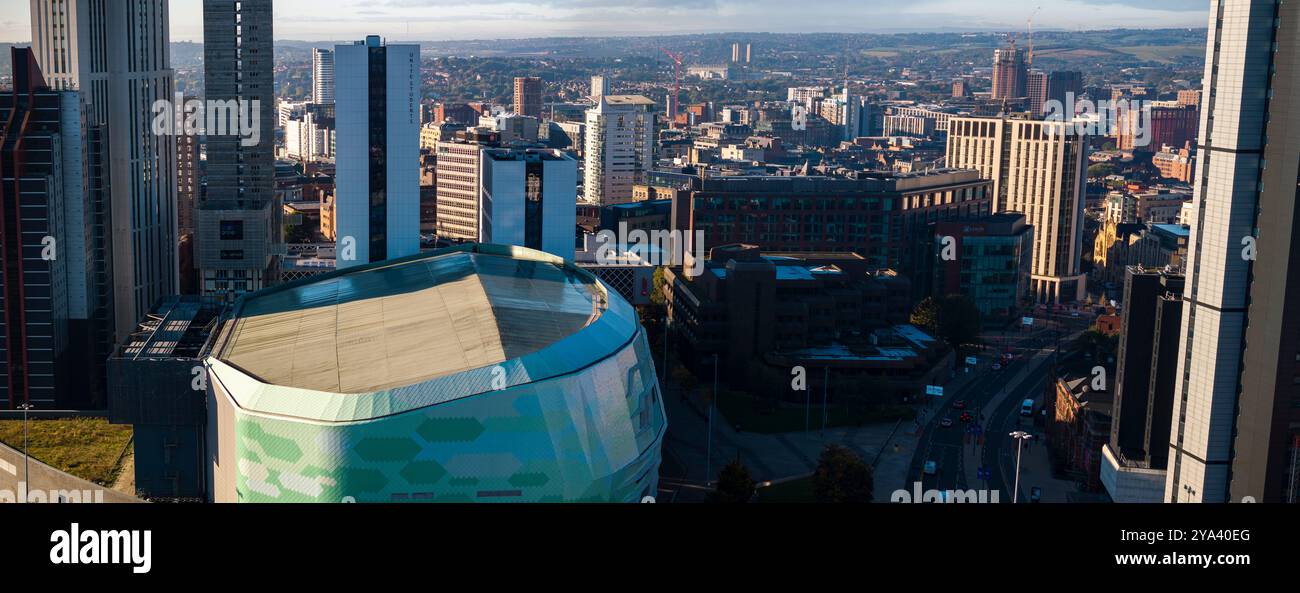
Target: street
<point x="993" y="399"/>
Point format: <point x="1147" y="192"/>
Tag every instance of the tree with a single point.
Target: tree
<point x="955" y="318"/>
<point x="1101" y="170"/>
<point x="842" y="476"/>
<point x="734" y="483"/>
<point x="926" y="315"/>
<point x="1097" y="343"/>
<point x="657" y="293"/>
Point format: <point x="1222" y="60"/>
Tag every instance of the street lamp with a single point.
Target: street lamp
<point x="27" y="474"/>
<point x="1020" y="436"/>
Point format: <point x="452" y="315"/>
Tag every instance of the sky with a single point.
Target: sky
<point x="432" y="20"/>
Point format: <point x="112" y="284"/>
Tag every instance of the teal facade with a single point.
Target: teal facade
<point x="594" y="436"/>
<point x="579" y="417"/>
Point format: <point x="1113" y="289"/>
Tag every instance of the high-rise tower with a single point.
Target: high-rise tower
<point x="1235" y="404"/>
<point x="237" y="218"/>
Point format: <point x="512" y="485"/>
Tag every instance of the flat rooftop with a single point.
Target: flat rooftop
<point x="627" y="100"/>
<point x="388" y="326"/>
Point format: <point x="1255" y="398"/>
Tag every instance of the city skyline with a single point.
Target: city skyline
<point x="407" y="20"/>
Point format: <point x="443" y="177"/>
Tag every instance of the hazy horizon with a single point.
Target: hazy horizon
<point x="444" y="20"/>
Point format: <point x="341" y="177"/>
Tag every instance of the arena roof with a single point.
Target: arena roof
<point x="417" y="331"/>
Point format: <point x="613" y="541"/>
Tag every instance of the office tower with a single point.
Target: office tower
<point x="749" y="52"/>
<point x="850" y="113"/>
<point x="309" y="136"/>
<point x="599" y="87"/>
<point x="529" y="199"/>
<point x="1135" y="458"/>
<point x="1190" y="97"/>
<point x="377" y="176"/>
<point x="237" y="219"/>
<point x="188" y="188"/>
<point x="322" y="76"/>
<point x="1156" y="126"/>
<point x="46" y="258"/>
<point x="512" y="128"/>
<point x="1036" y="91"/>
<point x="117" y="55"/>
<point x="1234" y="432"/>
<point x="459" y="113"/>
<point x="620" y="140"/>
<point x="1010" y="73"/>
<point x="1061" y="83"/>
<point x="906" y="125"/>
<point x="1037" y="168"/>
<point x="735" y="52"/>
<point x="528" y="96"/>
<point x="994" y="268"/>
<point x="428" y="191"/>
<point x="457" y="170"/>
<point x="960" y="88"/>
<point x="805" y="95"/>
<point x="816" y="214"/>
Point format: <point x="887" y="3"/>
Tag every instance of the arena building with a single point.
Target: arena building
<point x="474" y="373"/>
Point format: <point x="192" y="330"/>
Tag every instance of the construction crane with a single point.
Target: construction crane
<point x="1031" y="36"/>
<point x="677" y="85"/>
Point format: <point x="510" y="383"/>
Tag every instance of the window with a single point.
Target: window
<point x="232" y="230"/>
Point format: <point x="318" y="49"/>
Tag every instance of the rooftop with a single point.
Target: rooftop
<point x="627" y="100"/>
<point x="373" y="328"/>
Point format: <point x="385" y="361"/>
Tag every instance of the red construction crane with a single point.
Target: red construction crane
<point x="677" y="85"/>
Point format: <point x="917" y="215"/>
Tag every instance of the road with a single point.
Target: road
<point x="993" y="399"/>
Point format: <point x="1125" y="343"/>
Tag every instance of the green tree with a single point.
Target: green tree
<point x="842" y="476"/>
<point x="1101" y="170"/>
<point x="734" y="483"/>
<point x="1097" y="343"/>
<point x="955" y="318"/>
<point x="926" y="315"/>
<point x="657" y="294"/>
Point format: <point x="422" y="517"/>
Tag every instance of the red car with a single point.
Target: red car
<point x="959" y="405"/>
<point x="966" y="417"/>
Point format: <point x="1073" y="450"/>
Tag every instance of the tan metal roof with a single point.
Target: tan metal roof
<point x="627" y="100"/>
<point x="408" y="322"/>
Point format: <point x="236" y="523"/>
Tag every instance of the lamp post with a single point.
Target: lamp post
<point x="27" y="475"/>
<point x="1020" y="436"/>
